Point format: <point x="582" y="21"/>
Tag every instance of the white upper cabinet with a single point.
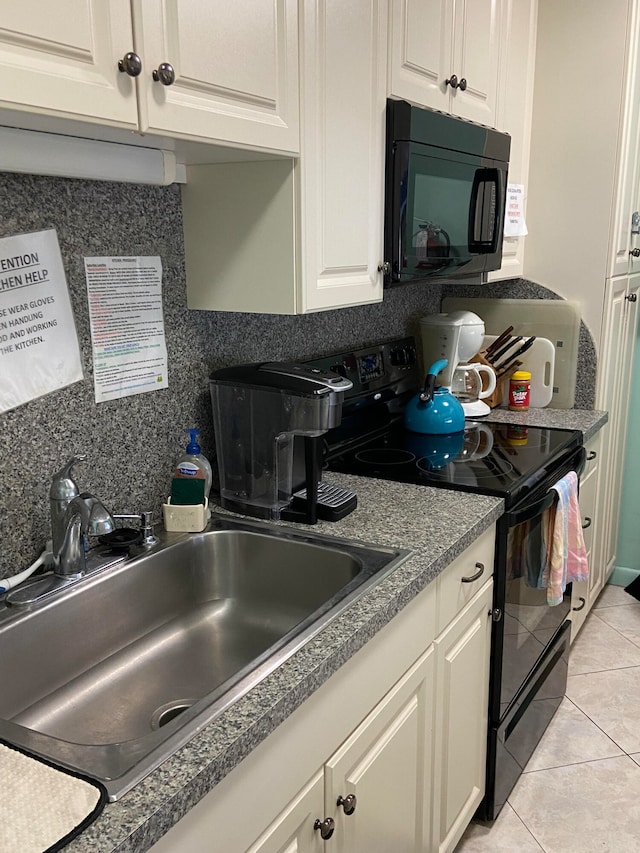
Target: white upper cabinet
<point x="219" y="70"/>
<point x="61" y="59"/>
<point x="515" y="105"/>
<point x="210" y="72"/>
<point x="294" y="237"/>
<point x="445" y="54"/>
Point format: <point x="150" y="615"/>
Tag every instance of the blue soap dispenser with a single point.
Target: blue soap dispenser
<point x="192" y="464"/>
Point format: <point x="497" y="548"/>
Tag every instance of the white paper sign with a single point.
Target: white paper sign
<point x="514" y="224"/>
<point x="39" y="350"/>
<point x="127" y="327"/>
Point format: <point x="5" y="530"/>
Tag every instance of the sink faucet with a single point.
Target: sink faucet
<point x="63" y="489"/>
<point x="84" y="515"/>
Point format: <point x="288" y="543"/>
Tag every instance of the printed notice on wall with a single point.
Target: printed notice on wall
<point x="514" y="224"/>
<point x="127" y="326"/>
<point x="39" y="350"/>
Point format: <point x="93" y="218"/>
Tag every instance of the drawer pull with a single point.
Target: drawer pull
<point x="326" y="827"/>
<point x="586" y="523"/>
<point x="478" y="574"/>
<point x="348" y="803"/>
<point x="580" y="606"/>
<point x="591" y="455"/>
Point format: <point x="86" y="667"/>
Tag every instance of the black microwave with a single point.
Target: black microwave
<point x="445" y="188"/>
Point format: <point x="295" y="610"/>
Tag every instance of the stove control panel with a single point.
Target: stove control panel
<point x="380" y="366"/>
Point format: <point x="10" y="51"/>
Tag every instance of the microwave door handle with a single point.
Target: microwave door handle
<point x="486" y="189"/>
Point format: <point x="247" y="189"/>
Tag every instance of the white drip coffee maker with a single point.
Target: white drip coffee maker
<point x="458" y="336"/>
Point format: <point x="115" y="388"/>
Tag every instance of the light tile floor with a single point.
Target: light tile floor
<point x="580" y="792"/>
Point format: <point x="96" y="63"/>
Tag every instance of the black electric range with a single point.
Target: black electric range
<point x="487" y="458"/>
<point x="529" y="639"/>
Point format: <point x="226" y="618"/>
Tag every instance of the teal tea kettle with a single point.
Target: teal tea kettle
<point x="435" y="411"/>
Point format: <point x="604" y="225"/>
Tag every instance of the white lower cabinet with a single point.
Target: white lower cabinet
<point x="388" y="755"/>
<point x="462" y="691"/>
<point x="584" y="593"/>
<point x="293" y="830"/>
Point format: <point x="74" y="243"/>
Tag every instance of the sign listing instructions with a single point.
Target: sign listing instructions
<point x="127" y="326"/>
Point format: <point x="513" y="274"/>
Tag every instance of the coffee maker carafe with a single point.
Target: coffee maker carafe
<point x="268" y="420"/>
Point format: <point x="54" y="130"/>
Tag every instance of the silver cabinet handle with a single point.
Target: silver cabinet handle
<point x="478" y="574"/>
<point x="633" y="297"/>
<point x="591" y="455"/>
<point x="164" y="74"/>
<point x="581" y="605"/>
<point x="326" y="827"/>
<point x="130" y="64"/>
<point x="635" y="253"/>
<point x="348" y="803"/>
<point x="586" y="523"/>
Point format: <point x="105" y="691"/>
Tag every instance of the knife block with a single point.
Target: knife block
<point x="494" y="399"/>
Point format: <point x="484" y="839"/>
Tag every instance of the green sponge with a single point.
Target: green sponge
<point x="187" y="491"/>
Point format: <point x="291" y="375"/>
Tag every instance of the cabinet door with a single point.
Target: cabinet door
<point x="344" y="61"/>
<point x="235" y="66"/>
<point x="293" y="830"/>
<point x="61" y="59"/>
<point x="386" y="764"/>
<point x="613" y="396"/>
<point x="462" y="697"/>
<point x="627" y="198"/>
<point x="421" y="51"/>
<point x="581" y="595"/>
<point x="476" y="59"/>
<point x="515" y="107"/>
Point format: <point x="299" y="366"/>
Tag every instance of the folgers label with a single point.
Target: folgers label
<point x="519" y="391"/>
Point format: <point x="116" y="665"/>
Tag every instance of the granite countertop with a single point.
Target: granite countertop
<point x="588" y="421"/>
<point x="436" y="524"/>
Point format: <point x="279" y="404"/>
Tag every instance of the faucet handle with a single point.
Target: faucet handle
<point x="63" y="486"/>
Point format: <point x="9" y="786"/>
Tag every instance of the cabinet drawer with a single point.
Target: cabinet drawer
<point x="455" y="589"/>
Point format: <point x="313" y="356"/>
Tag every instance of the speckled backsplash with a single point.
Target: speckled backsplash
<point x="131" y="444"/>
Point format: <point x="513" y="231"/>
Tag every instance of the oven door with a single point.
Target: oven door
<point x="528" y="623"/>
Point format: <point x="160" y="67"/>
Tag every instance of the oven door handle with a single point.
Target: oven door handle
<point x="537" y="508"/>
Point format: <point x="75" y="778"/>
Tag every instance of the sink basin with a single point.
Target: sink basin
<point x="112" y="675"/>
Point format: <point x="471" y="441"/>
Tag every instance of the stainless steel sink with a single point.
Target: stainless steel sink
<point x="111" y="676"/>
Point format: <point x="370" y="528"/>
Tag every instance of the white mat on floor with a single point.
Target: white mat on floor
<point x="40" y="806"/>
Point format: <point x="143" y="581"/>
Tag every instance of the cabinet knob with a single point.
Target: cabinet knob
<point x="326" y="827"/>
<point x="586" y="523"/>
<point x="130" y="64"/>
<point x="635" y="253"/>
<point x="633" y="297"/>
<point x="496" y="614"/>
<point x="591" y="455"/>
<point x="453" y="81"/>
<point x="384" y="267"/>
<point x="164" y="74"/>
<point x="581" y="605"/>
<point x="478" y="574"/>
<point x="462" y="85"/>
<point x="348" y="803"/>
